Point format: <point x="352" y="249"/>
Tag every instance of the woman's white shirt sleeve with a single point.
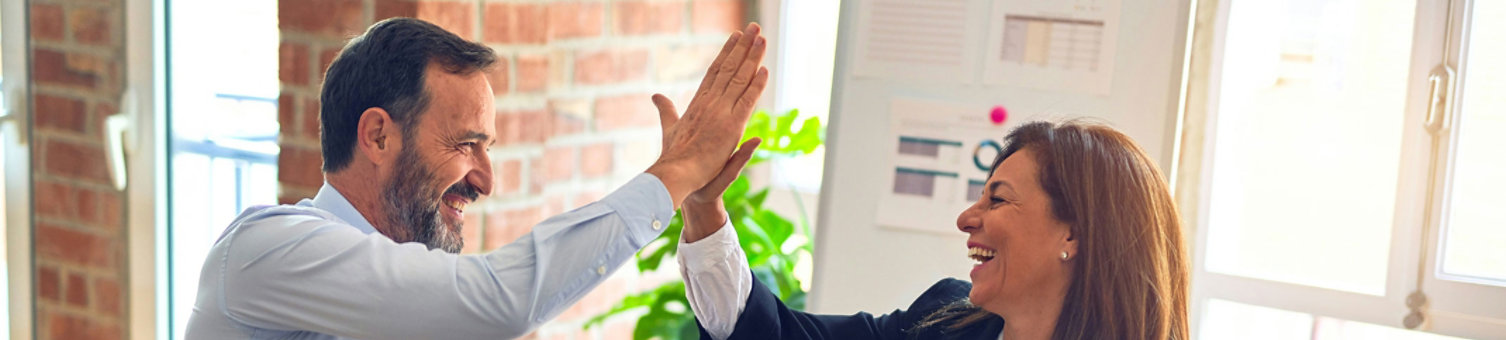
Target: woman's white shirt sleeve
<point x="717" y="280"/>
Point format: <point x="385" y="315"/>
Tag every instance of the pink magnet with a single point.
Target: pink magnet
<point x="998" y="115"/>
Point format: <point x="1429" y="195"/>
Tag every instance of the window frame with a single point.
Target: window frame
<point x="1455" y="304"/>
<point x="146" y="176"/>
<point x="14" y="36"/>
<point x="1455" y="308"/>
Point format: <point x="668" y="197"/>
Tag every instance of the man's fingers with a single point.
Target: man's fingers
<point x="667" y="115"/>
<point x="716" y="64"/>
<point x="734" y="59"/>
<point x="743" y="108"/>
<point x="734" y="166"/>
<point x="746" y="70"/>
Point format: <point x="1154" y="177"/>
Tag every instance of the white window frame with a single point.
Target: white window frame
<point x="146" y="177"/>
<point x="18" y="188"/>
<point x="1455" y="308"/>
<point x="1456" y="304"/>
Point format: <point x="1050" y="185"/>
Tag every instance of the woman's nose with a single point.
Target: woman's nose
<point x="968" y="221"/>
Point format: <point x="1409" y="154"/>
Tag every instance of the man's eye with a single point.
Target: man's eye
<point x="996" y="200"/>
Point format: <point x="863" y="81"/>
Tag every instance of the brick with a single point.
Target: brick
<point x="525" y="127"/>
<point x="309" y="125"/>
<point x="575" y="20"/>
<point x="107" y="293"/>
<point x="470" y="232"/>
<point x="635" y="155"/>
<point x="682" y="63"/>
<point x="293" y="64"/>
<point x="509" y="176"/>
<point x="568" y="124"/>
<point x="514" y="23"/>
<point x="74" y="247"/>
<point x="74" y="160"/>
<point x="326" y="57"/>
<point x="298" y="166"/>
<point x="49" y="284"/>
<point x="453" y="16"/>
<point x="716" y="16"/>
<point x="88" y="205"/>
<point x="78" y="290"/>
<point x="287" y="106"/>
<point x="596" y="160"/>
<point x="54" y="325"/>
<point x="532" y="73"/>
<point x="648" y="17"/>
<point x="331" y="18"/>
<point x="111" y="212"/>
<point x="558" y="165"/>
<point x="625" y="112"/>
<point x="394" y="8"/>
<point x="497" y="76"/>
<point x="54" y="200"/>
<point x="53" y="112"/>
<point x="91" y="26"/>
<point x="503" y="227"/>
<point x="46" y="22"/>
<point x="51" y="67"/>
<point x="610" y="66"/>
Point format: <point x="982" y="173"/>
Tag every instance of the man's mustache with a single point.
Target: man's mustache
<point x="465" y="190"/>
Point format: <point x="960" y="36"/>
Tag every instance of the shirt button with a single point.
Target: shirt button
<point x="602" y="270"/>
<point x="658" y="225"/>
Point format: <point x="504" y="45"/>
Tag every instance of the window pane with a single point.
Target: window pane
<point x="1476" y="224"/>
<point x="223" y="129"/>
<point x="1233" y="320"/>
<point x="1308" y="138"/>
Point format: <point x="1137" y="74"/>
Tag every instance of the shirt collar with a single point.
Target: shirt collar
<point x="329" y="199"/>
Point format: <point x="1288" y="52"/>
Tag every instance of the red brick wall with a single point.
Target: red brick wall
<point x="572" y="88"/>
<point x="77" y="55"/>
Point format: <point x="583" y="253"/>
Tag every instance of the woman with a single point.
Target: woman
<point x="1076" y="236"/>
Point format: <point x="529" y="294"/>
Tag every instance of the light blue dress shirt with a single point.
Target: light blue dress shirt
<point x="318" y="270"/>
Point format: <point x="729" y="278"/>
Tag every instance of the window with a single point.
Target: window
<point x="222" y="129"/>
<point x="807" y="51"/>
<point x="15" y="175"/>
<point x="1344" y="191"/>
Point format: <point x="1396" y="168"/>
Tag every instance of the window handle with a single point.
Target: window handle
<point x="15" y="112"/>
<point x="1440" y="94"/>
<point x="118" y="130"/>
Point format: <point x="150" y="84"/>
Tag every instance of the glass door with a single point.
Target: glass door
<point x="15" y="168"/>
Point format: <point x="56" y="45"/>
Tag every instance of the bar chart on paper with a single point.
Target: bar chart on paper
<point x="1070" y="44"/>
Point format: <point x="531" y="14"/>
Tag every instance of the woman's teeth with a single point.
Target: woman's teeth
<point x="980" y="254"/>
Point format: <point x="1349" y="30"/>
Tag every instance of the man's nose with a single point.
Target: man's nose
<point x="481" y="176"/>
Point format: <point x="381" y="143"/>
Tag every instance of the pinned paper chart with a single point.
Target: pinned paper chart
<point x="939" y="162"/>
<point x="1053" y="45"/>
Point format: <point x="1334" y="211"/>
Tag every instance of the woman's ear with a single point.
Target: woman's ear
<point x="377" y="136"/>
<point x="1069" y="244"/>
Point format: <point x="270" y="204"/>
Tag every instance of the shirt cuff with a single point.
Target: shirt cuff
<point x="644" y="204"/>
<point x="717" y="280"/>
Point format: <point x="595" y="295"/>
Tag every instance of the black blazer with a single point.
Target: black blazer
<point x="765" y="318"/>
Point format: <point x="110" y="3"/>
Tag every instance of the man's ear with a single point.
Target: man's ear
<point x="377" y="136"/>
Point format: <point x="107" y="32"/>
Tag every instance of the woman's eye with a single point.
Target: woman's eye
<point x="996" y="200"/>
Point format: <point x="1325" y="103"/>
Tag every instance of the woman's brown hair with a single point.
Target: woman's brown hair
<point x="1131" y="277"/>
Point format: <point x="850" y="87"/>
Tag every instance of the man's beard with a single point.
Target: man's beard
<point x="413" y="206"/>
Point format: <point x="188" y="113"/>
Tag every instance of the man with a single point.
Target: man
<point x="407" y="117"/>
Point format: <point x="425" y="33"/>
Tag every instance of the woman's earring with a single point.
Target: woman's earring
<point x="1065" y="255"/>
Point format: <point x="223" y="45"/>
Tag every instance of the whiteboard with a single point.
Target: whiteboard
<point x="862" y="264"/>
